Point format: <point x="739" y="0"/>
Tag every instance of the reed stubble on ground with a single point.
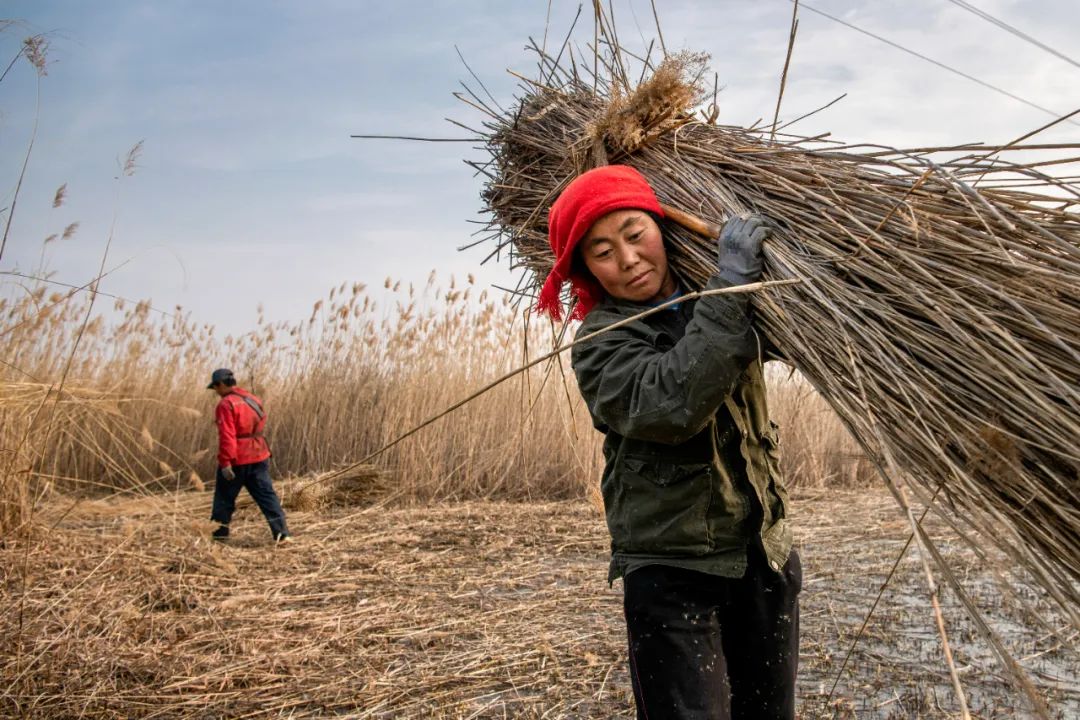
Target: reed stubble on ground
<point x="476" y="609"/>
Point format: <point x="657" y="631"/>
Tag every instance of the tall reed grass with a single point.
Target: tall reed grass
<point x="135" y="415"/>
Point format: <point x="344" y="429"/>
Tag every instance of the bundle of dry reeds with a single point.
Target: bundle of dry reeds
<point x="357" y="485"/>
<point x="939" y="301"/>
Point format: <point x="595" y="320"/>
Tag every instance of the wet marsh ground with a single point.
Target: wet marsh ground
<point x="472" y="610"/>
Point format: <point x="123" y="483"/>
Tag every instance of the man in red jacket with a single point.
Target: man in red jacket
<point x="243" y="457"/>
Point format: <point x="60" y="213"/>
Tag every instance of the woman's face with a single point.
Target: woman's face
<point x="625" y="252"/>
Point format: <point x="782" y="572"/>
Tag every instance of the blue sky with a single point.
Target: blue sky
<point x="250" y="190"/>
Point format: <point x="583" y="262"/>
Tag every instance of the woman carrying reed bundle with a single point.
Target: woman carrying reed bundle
<point x="692" y="492"/>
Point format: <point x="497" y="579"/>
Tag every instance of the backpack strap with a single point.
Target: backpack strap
<point x="259" y="412"/>
<point x="254" y="405"/>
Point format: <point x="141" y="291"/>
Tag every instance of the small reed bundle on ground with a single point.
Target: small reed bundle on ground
<point x="939" y="300"/>
<point x="359" y="485"/>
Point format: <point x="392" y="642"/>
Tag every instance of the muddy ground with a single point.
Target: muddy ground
<point x="123" y="608"/>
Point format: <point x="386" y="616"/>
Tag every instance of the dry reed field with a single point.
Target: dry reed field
<point x="119" y="607"/>
<point x="338" y="386"/>
<point x="459" y="610"/>
<point x="459" y="571"/>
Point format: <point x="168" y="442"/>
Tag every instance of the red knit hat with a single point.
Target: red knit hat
<point x="588" y="198"/>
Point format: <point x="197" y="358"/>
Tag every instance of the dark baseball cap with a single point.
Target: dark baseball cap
<point x="219" y="376"/>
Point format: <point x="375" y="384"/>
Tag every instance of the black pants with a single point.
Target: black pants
<point x="256" y="478"/>
<point x="704" y="647"/>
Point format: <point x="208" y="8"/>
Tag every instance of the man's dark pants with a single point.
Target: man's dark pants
<point x="704" y="647"/>
<point x="256" y="478"/>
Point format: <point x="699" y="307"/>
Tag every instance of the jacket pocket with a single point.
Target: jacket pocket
<point x="662" y="507"/>
<point x="793" y="571"/>
<point x="662" y="472"/>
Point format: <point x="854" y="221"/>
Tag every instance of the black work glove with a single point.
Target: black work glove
<point x="739" y="248"/>
<point x="227" y="473"/>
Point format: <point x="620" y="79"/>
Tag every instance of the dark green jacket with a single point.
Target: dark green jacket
<point x="691" y="458"/>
